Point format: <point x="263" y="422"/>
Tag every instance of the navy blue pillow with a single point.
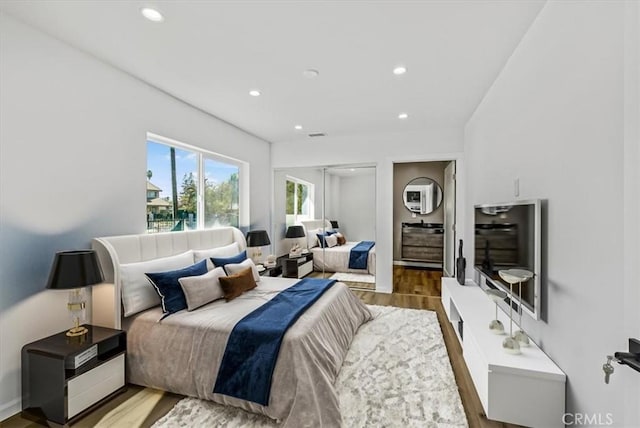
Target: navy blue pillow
<point x="323" y="243"/>
<point x="221" y="261"/>
<point x="168" y="287"/>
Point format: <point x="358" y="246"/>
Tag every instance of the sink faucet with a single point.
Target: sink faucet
<point x="422" y="222"/>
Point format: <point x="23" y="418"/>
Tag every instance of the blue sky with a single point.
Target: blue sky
<point x="159" y="162"/>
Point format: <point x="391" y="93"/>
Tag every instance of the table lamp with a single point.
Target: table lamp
<point x="294" y="232"/>
<point x="496" y="296"/>
<point x="514" y="276"/>
<point x="74" y="270"/>
<point x="524" y="276"/>
<point x="257" y="239"/>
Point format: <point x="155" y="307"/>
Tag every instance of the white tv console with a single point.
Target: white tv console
<point x="526" y="389"/>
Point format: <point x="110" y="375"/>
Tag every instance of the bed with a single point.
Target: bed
<point x="183" y="352"/>
<point x="336" y="259"/>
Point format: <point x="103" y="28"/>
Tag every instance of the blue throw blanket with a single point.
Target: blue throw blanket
<point x="252" y="349"/>
<point x="360" y="254"/>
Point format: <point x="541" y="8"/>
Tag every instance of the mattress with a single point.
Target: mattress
<point x="336" y="259"/>
<point x="182" y="353"/>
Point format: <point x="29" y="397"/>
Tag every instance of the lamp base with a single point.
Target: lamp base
<point x="77" y="331"/>
<point x="511" y="346"/>
<point x="496" y="327"/>
<point x="521" y="337"/>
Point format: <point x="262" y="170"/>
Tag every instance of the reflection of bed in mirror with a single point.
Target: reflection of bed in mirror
<point x="335" y="259"/>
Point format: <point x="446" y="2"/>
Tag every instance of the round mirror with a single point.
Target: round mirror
<point x="422" y="195"/>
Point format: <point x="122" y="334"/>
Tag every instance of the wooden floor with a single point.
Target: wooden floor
<point x="413" y="288"/>
<point x="408" y="280"/>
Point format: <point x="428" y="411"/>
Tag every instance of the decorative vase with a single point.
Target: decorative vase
<point x="461" y="265"/>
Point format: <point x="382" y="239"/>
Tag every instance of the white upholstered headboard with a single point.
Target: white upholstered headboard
<point x="115" y="250"/>
<point x="315" y="224"/>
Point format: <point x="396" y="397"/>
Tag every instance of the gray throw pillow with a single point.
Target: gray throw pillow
<point x="203" y="289"/>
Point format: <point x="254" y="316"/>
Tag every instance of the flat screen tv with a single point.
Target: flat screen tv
<point x="508" y="236"/>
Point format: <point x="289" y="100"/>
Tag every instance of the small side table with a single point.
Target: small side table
<point x="297" y="267"/>
<point x="64" y="377"/>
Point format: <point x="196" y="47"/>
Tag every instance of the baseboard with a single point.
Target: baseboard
<point x="9" y="409"/>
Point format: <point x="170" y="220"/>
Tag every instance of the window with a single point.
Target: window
<point x="188" y="188"/>
<point x="221" y="193"/>
<point x="299" y="200"/>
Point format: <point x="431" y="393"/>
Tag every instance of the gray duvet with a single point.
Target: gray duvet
<point x="182" y="353"/>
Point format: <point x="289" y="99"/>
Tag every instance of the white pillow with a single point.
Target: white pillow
<point x="312" y="238"/>
<point x="137" y="293"/>
<point x="200" y="290"/>
<point x="234" y="268"/>
<point x="226" y="251"/>
<point x="331" y="240"/>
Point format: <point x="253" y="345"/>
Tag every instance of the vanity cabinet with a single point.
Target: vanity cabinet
<point x="422" y="242"/>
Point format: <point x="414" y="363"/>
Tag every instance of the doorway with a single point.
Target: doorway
<point x="423" y="225"/>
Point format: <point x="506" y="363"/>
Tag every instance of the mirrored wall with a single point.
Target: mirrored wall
<point x="326" y="214"/>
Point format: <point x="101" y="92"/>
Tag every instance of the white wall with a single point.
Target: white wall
<point x="381" y="150"/>
<point x="555" y="119"/>
<point x="72" y="167"/>
<point x="355" y="210"/>
<point x="632" y="198"/>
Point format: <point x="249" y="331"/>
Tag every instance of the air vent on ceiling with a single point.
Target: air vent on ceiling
<point x="317" y="134"/>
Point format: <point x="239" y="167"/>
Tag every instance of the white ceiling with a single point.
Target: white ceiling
<point x="211" y="53"/>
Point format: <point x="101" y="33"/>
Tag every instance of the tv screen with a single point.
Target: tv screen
<point x="507" y="236"/>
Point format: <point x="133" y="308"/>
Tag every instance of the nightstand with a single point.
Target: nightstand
<point x="62" y="377"/>
<point x="297" y="267"/>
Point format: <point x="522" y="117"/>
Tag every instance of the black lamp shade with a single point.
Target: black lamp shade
<point x="294" y="232"/>
<point x="74" y="269"/>
<point x="258" y="238"/>
<point x="334" y="224"/>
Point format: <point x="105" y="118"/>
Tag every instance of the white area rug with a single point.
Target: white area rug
<point x="396" y="374"/>
<point x="354" y="277"/>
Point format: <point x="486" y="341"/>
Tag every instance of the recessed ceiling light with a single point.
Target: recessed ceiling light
<point x="310" y="73"/>
<point x="152" y="14"/>
<point x="399" y="70"/>
<point x="352" y="169"/>
<point x="254" y="93"/>
<point x="298" y="127"/>
<point x="403" y="116"/>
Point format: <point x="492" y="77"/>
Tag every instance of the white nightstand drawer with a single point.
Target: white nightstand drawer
<point x="305" y="268"/>
<point x="94" y="385"/>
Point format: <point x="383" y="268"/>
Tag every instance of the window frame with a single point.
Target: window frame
<point x="201" y="156"/>
<point x="310" y="196"/>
